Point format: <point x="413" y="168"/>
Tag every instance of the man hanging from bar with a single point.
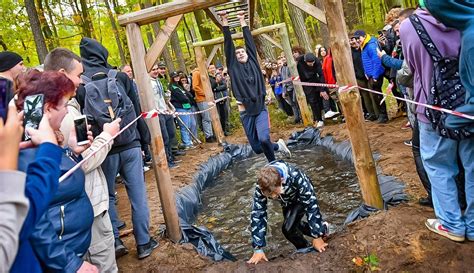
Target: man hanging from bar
<point x="248" y="86"/>
<point x="294" y="190"/>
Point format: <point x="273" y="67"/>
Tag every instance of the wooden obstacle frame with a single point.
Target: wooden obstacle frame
<point x="173" y="12"/>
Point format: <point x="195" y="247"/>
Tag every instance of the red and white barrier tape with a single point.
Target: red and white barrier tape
<point x="155" y="112"/>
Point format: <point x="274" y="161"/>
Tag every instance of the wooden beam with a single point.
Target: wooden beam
<point x="160" y="163"/>
<point x="206" y="85"/>
<point x="214" y="18"/>
<point x="161" y="39"/>
<point x="351" y="105"/>
<point x="239" y="35"/>
<point x="156" y="13"/>
<point x="251" y="8"/>
<point x="212" y="55"/>
<point x="300" y="96"/>
<point x="271" y="40"/>
<point x="310" y="9"/>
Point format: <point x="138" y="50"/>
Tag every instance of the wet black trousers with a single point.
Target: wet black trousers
<point x="294" y="228"/>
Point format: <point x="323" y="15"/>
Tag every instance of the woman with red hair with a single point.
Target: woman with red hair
<point x="60" y="236"/>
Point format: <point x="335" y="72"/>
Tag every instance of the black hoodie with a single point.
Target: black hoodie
<point x="94" y="59"/>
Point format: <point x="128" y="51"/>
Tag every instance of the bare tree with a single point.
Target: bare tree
<point x="40" y="43"/>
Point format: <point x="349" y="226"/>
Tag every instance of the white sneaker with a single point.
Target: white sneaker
<point x="282" y="148"/>
<point x="146" y="169"/>
<point x="330" y="114"/>
<point x="320" y="124"/>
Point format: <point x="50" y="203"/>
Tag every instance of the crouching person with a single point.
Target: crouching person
<point x="289" y="185"/>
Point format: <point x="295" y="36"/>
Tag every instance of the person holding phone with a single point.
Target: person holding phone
<point x="101" y="250"/>
<point x="62" y="234"/>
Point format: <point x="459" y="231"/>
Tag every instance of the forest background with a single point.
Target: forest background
<point x="33" y="27"/>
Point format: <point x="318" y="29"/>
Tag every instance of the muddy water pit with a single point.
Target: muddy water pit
<point x="228" y="202"/>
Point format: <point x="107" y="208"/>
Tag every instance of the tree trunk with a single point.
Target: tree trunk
<point x="116" y="32"/>
<point x="205" y="33"/>
<point x="40" y="43"/>
<point x="53" y="25"/>
<point x="88" y="28"/>
<point x="47" y="32"/>
<point x="297" y="19"/>
<point x="323" y="28"/>
<point x="265" y="49"/>
<point x="178" y="52"/>
<point x="2" y="43"/>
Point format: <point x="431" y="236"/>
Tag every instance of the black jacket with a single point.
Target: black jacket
<point x="179" y="98"/>
<point x="358" y="66"/>
<point x="248" y="84"/>
<point x="94" y="59"/>
<point x="311" y="74"/>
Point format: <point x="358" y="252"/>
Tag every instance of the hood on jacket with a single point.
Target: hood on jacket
<point x="368" y="39"/>
<point x="282" y="169"/>
<point x="94" y="57"/>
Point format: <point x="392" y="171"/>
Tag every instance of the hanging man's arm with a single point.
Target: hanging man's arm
<point x="229" y="48"/>
<point x="250" y="46"/>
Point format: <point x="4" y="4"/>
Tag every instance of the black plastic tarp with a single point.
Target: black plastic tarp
<point x="189" y="201"/>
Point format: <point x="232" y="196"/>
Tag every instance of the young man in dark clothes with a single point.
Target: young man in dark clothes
<point x="294" y="190"/>
<point x="125" y="158"/>
<point x="248" y="86"/>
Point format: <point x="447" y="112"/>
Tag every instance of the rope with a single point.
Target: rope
<point x="155" y="112"/>
<point x="342" y="89"/>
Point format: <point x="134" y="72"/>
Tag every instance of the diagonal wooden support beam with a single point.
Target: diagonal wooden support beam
<point x="160" y="12"/>
<point x="310" y="9"/>
<point x="214" y="17"/>
<point x="161" y="39"/>
<point x="271" y="40"/>
<point x="212" y="54"/>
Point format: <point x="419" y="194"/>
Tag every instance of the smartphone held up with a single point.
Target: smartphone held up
<point x="80" y="125"/>
<point x="6" y="95"/>
<point x="33" y="112"/>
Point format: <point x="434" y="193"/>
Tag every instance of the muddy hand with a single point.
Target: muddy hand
<point x="319" y="244"/>
<point x="257" y="257"/>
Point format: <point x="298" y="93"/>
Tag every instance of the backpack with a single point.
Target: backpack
<point x="106" y="100"/>
<point x="446" y="90"/>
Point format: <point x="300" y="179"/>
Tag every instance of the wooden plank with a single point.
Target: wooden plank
<point x="206" y="85"/>
<point x="156" y="13"/>
<point x="310" y="9"/>
<point x="239" y="35"/>
<point x="300" y="96"/>
<point x="251" y="12"/>
<point x="212" y="55"/>
<point x="160" y="163"/>
<point x="155" y="50"/>
<point x="214" y="17"/>
<point x="351" y="105"/>
<point x="271" y="40"/>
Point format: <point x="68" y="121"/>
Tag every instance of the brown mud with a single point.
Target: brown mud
<point x="397" y="237"/>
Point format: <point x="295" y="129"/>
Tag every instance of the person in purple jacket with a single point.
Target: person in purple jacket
<point x="373" y="69"/>
<point x="440" y="155"/>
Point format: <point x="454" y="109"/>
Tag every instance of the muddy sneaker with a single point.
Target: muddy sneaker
<point x="283" y="149"/>
<point x="120" y="248"/>
<point x="146" y="249"/>
<point x="435" y="226"/>
<point x="331" y="114"/>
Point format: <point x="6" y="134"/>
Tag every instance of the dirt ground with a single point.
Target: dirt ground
<point x="397" y="237"/>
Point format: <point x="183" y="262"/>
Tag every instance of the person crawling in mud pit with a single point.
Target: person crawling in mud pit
<point x="294" y="189"/>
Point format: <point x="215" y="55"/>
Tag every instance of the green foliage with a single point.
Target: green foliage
<point x="368" y="263"/>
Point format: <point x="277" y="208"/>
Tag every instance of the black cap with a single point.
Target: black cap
<point x="8" y="60"/>
<point x="359" y="33"/>
<point x="174" y="74"/>
<point x="309" y="57"/>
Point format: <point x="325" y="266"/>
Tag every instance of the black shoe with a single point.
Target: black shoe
<point x="173" y="159"/>
<point x="425" y="201"/>
<point x="120" y="248"/>
<point x="181" y="146"/>
<point x="178" y="153"/>
<point x="210" y="139"/>
<point x="382" y="119"/>
<point x="146" y="249"/>
<point x="226" y="133"/>
<point x="121" y="224"/>
<point x="371" y="117"/>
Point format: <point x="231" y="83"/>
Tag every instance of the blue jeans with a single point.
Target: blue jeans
<point x="129" y="164"/>
<point x="190" y="122"/>
<point x="206" y="119"/>
<point x="440" y="157"/>
<point x="167" y="133"/>
<point x="257" y="129"/>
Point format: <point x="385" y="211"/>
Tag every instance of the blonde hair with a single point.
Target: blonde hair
<point x="392" y="15"/>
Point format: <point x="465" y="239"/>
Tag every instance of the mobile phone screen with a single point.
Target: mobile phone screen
<point x="81" y="129"/>
<point x="4" y="98"/>
<point x="33" y="112"/>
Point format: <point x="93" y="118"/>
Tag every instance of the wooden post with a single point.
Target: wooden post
<point x="162" y="174"/>
<point x="300" y="96"/>
<point x="206" y="85"/>
<point x="351" y="105"/>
